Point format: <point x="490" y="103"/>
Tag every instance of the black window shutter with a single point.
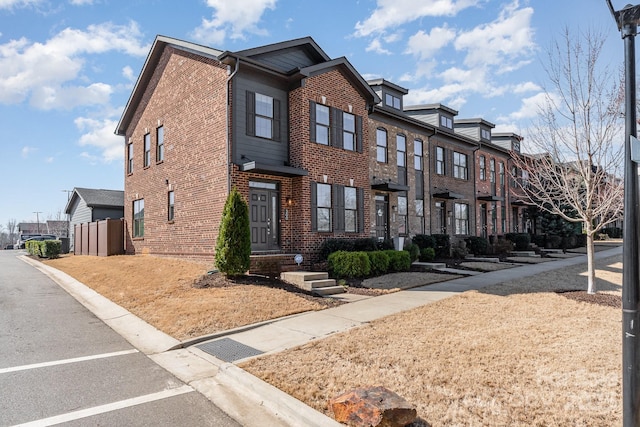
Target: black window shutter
<point x="312" y="121"/>
<point x="314" y="207"/>
<point x="359" y="134"/>
<point x="338" y="207"/>
<point x="251" y="113"/>
<point x="276" y="120"/>
<point x="336" y="128"/>
<point x="360" y="207"/>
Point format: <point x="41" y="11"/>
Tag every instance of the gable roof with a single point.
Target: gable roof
<point x="96" y="198"/>
<point x="150" y="64"/>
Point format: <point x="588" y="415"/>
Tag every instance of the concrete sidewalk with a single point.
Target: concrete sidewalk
<point x="209" y="363"/>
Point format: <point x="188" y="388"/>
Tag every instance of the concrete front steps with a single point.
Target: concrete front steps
<point x="318" y="283"/>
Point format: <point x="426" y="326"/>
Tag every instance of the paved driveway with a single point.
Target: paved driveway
<point x="61" y="364"/>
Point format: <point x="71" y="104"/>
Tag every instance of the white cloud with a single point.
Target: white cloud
<point x="63" y="58"/>
<point x="530" y="107"/>
<point x="424" y="45"/>
<point x="99" y="135"/>
<point x="26" y="151"/>
<point x="232" y="19"/>
<point x="526" y="87"/>
<point x="392" y="13"/>
<point x="376" y="46"/>
<point x="499" y="42"/>
<point x="127" y="73"/>
<point x="10" y="4"/>
<point x="81" y="2"/>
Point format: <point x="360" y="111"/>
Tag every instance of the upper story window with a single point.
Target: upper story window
<point x="147" y="150"/>
<point x="263" y="116"/>
<point x="130" y="158"/>
<point x="446" y="122"/>
<point x="417" y="155"/>
<point x="514" y="177"/>
<point x="322" y="124"/>
<point x="138" y="218"/>
<point x="460" y="165"/>
<point x="392" y="101"/>
<point x="483" y="167"/>
<point x="492" y="171"/>
<point x="501" y="175"/>
<point x="381" y="143"/>
<point x="171" y="203"/>
<point x="401" y="146"/>
<point x="440" y="160"/>
<point x="160" y="144"/>
<point x="348" y="131"/>
<point x="485" y="134"/>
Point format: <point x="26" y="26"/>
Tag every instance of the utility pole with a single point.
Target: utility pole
<point x="38" y="221"/>
<point x="627" y="20"/>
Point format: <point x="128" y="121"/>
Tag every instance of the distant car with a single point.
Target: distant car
<point x="38" y="238"/>
<point x="9" y="247"/>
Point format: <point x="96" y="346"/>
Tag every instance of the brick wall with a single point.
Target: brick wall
<point x="187" y="95"/>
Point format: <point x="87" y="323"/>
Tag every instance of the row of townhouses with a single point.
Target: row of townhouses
<point x="317" y="151"/>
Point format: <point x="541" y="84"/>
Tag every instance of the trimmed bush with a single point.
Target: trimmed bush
<point x="414" y="251"/>
<point x="613" y="232"/>
<point x="379" y="261"/>
<point x="477" y="245"/>
<point x="330" y="246"/>
<point x="522" y="241"/>
<point x="385" y="245"/>
<point x="553" y="242"/>
<point x="424" y="241"/>
<point x="442" y="245"/>
<point x="502" y="246"/>
<point x="44" y="248"/>
<point x="427" y="254"/>
<point x="343" y="264"/>
<point x="233" y="246"/>
<point x="365" y="244"/>
<point x="399" y="260"/>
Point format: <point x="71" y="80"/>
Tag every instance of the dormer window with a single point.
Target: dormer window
<point x="446" y="122"/>
<point x="485" y="134"/>
<point x="392" y="101"/>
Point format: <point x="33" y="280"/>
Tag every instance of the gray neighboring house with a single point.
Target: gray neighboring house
<point x="88" y="205"/>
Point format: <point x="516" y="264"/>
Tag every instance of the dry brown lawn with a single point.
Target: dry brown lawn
<point x="161" y="291"/>
<point x="515" y="354"/>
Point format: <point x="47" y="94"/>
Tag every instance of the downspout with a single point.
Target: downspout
<point x="228" y="125"/>
<point x="435" y="132"/>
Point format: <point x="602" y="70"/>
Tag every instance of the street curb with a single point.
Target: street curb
<point x="244" y="392"/>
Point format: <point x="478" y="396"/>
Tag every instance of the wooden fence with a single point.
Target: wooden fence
<point x="99" y="238"/>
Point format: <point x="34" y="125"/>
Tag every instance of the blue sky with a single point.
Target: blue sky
<point x="67" y="68"/>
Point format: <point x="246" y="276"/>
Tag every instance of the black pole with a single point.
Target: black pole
<point x="630" y="276"/>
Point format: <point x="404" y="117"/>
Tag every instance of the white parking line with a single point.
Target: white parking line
<point x="84" y="413"/>
<point x="65" y="361"/>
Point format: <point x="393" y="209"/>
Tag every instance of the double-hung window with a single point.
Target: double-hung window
<point x="483" y="168"/>
<point x="501" y="176"/>
<point x="323" y="207"/>
<point x="160" y="144"/>
<point x="381" y="144"/>
<point x="401" y="144"/>
<point x="348" y="131"/>
<point x="402" y="215"/>
<point x="460" y="165"/>
<point x="350" y="209"/>
<point x="147" y="150"/>
<point x="138" y="218"/>
<point x="446" y="122"/>
<point x="417" y="155"/>
<point x="440" y="160"/>
<point x="461" y="216"/>
<point x="263" y="116"/>
<point x="322" y="124"/>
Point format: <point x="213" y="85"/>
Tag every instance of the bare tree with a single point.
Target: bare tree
<point x="11" y="230"/>
<point x="577" y="137"/>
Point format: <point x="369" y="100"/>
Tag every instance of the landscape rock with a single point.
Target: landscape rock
<point x="372" y="407"/>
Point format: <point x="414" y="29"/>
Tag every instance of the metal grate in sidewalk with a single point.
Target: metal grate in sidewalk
<point x="228" y="350"/>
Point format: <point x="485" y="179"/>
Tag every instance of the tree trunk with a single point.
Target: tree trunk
<point x="591" y="271"/>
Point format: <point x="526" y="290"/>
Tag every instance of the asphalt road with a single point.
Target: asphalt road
<point x="59" y="364"/>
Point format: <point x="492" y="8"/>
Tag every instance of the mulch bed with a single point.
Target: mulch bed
<point x="218" y="280"/>
<point x="608" y="300"/>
